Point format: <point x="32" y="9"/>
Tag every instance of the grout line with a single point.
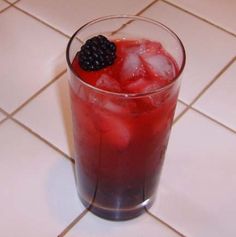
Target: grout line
<point x="73" y="223"/>
<point x="182" y="102"/>
<point x="41" y="21"/>
<point x="164" y="223"/>
<point x="38" y="92"/>
<point x="216" y="77"/>
<point x="11" y="3"/>
<point x="43" y="140"/>
<point x="2" y="121"/>
<point x="190" y="106"/>
<point x="199" y="17"/>
<point x="5" y="114"/>
<point x="130" y="21"/>
<point x="145" y="8"/>
<point x="214" y="120"/>
<point x="181" y="115"/>
<point x="15" y="2"/>
<point x="4" y="9"/>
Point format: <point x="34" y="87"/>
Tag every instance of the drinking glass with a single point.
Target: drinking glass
<point x="120" y="139"/>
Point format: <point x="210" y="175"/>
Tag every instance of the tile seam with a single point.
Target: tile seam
<point x="38" y="92"/>
<point x="3" y="120"/>
<point x="213" y="120"/>
<point x="145" y="8"/>
<point x="58" y="30"/>
<point x="137" y="14"/>
<point x="11" y="3"/>
<point x="73" y="223"/>
<point x="215" y="78"/>
<point x="28" y="129"/>
<point x="4" y="9"/>
<point x="7" y="116"/>
<point x="4" y="112"/>
<point x="41" y="21"/>
<point x="165" y="224"/>
<point x="199" y="17"/>
<point x="205" y="115"/>
<point x="182" y="102"/>
<point x="199" y="95"/>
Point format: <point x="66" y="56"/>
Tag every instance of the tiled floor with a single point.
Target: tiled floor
<point x="3" y="5"/>
<point x="217" y="12"/>
<point x="2" y="116"/>
<point x="68" y="16"/>
<point x="198" y="184"/>
<point x="219" y="100"/>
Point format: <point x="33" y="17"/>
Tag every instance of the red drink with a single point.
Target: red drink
<point x="122" y="116"/>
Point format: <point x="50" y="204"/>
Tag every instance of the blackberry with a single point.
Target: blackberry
<point x="97" y="53"/>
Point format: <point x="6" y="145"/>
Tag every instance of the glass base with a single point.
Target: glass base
<point x="118" y="214"/>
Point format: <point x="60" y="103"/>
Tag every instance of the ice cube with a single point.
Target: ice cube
<point x="136" y="86"/>
<point x="131" y="66"/>
<point x="115" y="130"/>
<point x="114" y="107"/>
<point x="106" y="82"/>
<point x="138" y="49"/>
<point x="160" y="65"/>
<point x="151" y="86"/>
<point x="119" y="134"/>
<point x="152" y="47"/>
<point x="142" y="85"/>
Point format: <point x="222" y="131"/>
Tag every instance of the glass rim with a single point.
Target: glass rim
<point x="125" y="94"/>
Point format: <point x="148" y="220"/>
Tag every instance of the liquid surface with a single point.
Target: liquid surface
<point x="140" y="66"/>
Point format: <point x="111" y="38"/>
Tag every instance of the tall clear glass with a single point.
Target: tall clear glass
<point x="120" y="139"/>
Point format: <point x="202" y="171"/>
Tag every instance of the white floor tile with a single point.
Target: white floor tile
<point x="2" y="116"/>
<point x="49" y="115"/>
<point x="219" y="12"/>
<point x="198" y="185"/>
<point x="38" y="193"/>
<point x="220" y="99"/>
<point x="92" y="226"/>
<point x="69" y="16"/>
<point x="3" y="5"/>
<point x="208" y="48"/>
<point x="31" y="55"/>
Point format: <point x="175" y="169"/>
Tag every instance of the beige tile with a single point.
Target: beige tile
<point x="38" y="193"/>
<point x="220" y="99"/>
<point x="2" y="116"/>
<point x="197" y="190"/>
<point x="12" y="1"/>
<point x="3" y="5"/>
<point x="92" y="226"/>
<point x="69" y="16"/>
<point x="208" y="48"/>
<point x="49" y="115"/>
<point x="31" y="55"/>
<point x="219" y="12"/>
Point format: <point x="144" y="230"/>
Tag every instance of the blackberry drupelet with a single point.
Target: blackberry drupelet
<point x="97" y="53"/>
